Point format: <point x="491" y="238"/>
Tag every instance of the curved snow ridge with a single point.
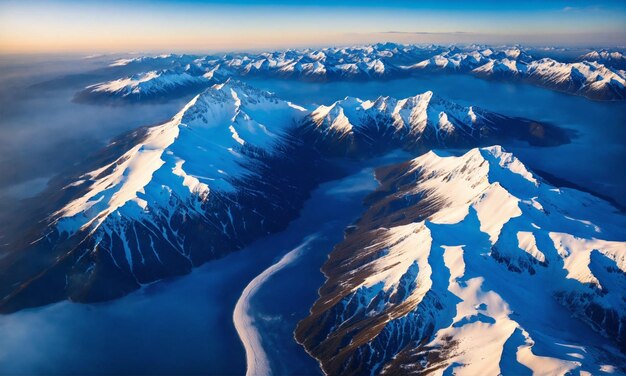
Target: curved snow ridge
<point x="243" y="317"/>
<point x="472" y="264"/>
<point x="198" y="150"/>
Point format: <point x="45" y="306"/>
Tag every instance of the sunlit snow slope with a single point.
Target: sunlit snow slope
<point x="475" y="265"/>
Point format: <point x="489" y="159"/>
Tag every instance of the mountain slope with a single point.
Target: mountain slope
<point x="222" y="172"/>
<point x="473" y="264"/>
<point x="590" y="79"/>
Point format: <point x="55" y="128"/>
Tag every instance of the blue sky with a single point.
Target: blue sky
<point x="194" y="25"/>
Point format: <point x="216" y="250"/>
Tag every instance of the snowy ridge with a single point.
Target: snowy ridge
<point x="168" y="58"/>
<point x="468" y="59"/>
<point x="186" y="73"/>
<point x="130" y="174"/>
<point x="234" y="164"/>
<point x="408" y="116"/>
<point x="146" y="83"/>
<point x="328" y="63"/>
<point x="503" y="68"/>
<point x="224" y="171"/>
<point x="149" y="85"/>
<point x="196" y="151"/>
<point x="587" y="78"/>
<point x="355" y="127"/>
<point x="456" y="62"/>
<point x="472" y="264"/>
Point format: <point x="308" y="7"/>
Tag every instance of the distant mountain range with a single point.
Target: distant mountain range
<point x="152" y="85"/>
<point x="597" y="75"/>
<point x="614" y="59"/>
<point x="590" y="79"/>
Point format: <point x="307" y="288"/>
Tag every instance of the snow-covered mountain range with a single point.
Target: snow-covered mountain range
<point x="234" y="164"/>
<point x="355" y="127"/>
<point x="611" y="58"/>
<point x="590" y="79"/>
<point x="592" y="76"/>
<point x="464" y="264"/>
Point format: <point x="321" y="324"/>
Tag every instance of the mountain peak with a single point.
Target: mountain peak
<point x="456" y="263"/>
<point x="211" y="127"/>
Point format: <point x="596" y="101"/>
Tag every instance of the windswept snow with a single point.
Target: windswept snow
<point x="243" y="318"/>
